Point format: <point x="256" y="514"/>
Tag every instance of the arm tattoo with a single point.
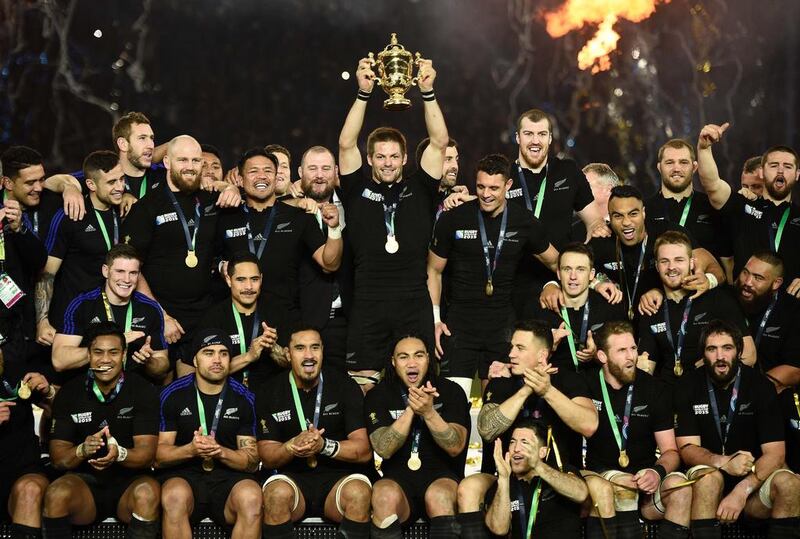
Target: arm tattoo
<point x="447" y="439"/>
<point x="248" y="447"/>
<point x="386" y="441"/>
<point x="43" y="294"/>
<point x="491" y="422"/>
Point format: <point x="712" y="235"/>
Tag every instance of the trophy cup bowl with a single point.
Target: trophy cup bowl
<point x="395" y="73"/>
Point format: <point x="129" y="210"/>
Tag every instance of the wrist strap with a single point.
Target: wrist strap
<point x="330" y="449"/>
<point x="428" y="96"/>
<point x="712" y="281"/>
<point x="335" y="233"/>
<point x="363" y="96"/>
<point x="437" y="314"/>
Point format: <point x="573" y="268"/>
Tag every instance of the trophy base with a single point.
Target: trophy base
<point x="397" y="103"/>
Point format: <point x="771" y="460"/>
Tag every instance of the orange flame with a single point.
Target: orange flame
<point x="574" y="14"/>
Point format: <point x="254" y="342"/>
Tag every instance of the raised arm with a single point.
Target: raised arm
<point x="717" y="189"/>
<point x="432" y="159"/>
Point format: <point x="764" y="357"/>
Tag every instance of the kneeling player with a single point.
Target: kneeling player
<point x="312" y="432"/>
<point x="104" y="433"/>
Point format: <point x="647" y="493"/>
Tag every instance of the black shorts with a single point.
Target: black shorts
<point x="107" y="492"/>
<point x="414" y="486"/>
<point x="472" y="347"/>
<point x="375" y="326"/>
<point x="210" y="491"/>
<point x="315" y="487"/>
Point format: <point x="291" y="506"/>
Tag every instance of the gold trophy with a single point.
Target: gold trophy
<point x="395" y="69"/>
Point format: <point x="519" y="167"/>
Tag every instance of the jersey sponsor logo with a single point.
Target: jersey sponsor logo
<point x="699" y="317"/>
<point x="190" y="222"/>
<point x="95" y="320"/>
<point x="137" y="320"/>
<point x="744" y="406"/>
<point x="230" y="413"/>
<point x="595" y="327"/>
<point x="396" y="413"/>
<point x="166" y="218"/>
<point x="561" y="185"/>
<point x="438" y="406"/>
<point x="598" y="404"/>
<point x="514" y="193"/>
<point x="124" y="413"/>
<point x="613" y="266"/>
<point x="659" y="218"/>
<point x="371" y="195"/>
<point x="82" y="417"/>
<point x="331" y="407"/>
<point x="703" y="219"/>
<point x="661" y="327"/>
<point x="186" y="412"/>
<point x="236" y="232"/>
<point x="210" y="210"/>
<point x="795" y="221"/>
<point x="514" y="505"/>
<point x="264" y="427"/>
<point x="90" y="228"/>
<point x="466" y="234"/>
<point x="281" y="227"/>
<point x="282" y="417"/>
<point x="770" y="331"/>
<point x="795" y="424"/>
<point x="511" y="234"/>
<point x="639" y="409"/>
<point x="750" y="210"/>
<point x="234" y="338"/>
<point x="155" y="185"/>
<point x="700" y="409"/>
<point x="373" y="417"/>
<point x="209" y="339"/>
<point x="405" y="194"/>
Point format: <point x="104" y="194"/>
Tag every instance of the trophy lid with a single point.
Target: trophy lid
<point x="394" y="48"/>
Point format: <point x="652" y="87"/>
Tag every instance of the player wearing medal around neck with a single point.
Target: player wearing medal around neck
<point x="625" y="480"/>
<point x="419" y="424"/>
<point x="207" y="446"/>
<point x="482" y="243"/>
<point x="584" y="312"/>
<point x="528" y="386"/>
<point x="311" y="432"/>
<point x="248" y="321"/>
<point x="532" y="498"/>
<point x="627" y="259"/>
<point x="104" y="434"/>
<point x="669" y="338"/>
<point x="23" y="478"/>
<point x="279" y="235"/>
<point x="773" y="316"/>
<point x="771" y="222"/>
<point x="76" y="249"/>
<point x="389" y="218"/>
<point x="174" y="234"/>
<point x="117" y="300"/>
<point x="730" y="434"/>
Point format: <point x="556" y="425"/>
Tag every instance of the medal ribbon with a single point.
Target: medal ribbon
<point x="143" y="186"/>
<point x="621" y="438"/>
<point x="264" y="235"/>
<point x="539" y="197"/>
<point x="775" y="238"/>
<point x="242" y="344"/>
<point x="763" y="323"/>
<point x="415" y="434"/>
<point x="621" y="263"/>
<point x="190" y="238"/>
<point x="712" y="400"/>
<point x="110" y="314"/>
<point x="201" y="411"/>
<point x="491" y="265"/>
<point x="14" y="392"/>
<point x="103" y="230"/>
<point x="301" y="416"/>
<point x="685" y="213"/>
<point x="676" y="350"/>
<point x="571" y="335"/>
<point x="98" y="393"/>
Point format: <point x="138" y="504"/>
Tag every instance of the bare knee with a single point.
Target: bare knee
<point x="471" y="492"/>
<point x="680" y="498"/>
<point x="711" y="484"/>
<point x="58" y="496"/>
<point x="176" y="497"/>
<point x="29" y="492"/>
<point x="247" y="499"/>
<point x="146" y="495"/>
<point x="785" y="486"/>
<point x="441" y="497"/>
<point x="386" y="497"/>
<point x="278" y="498"/>
<point x="355" y="496"/>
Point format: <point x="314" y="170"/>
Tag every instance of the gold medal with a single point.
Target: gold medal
<point x="678" y="369"/>
<point x="414" y="462"/>
<point x="208" y="464"/>
<point x="24" y="391"/>
<point x="623" y="459"/>
<point x="489" y="288"/>
<point x="191" y="259"/>
<point x="312" y="462"/>
<point x="630" y="313"/>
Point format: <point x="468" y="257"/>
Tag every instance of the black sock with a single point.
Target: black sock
<point x="20" y="531"/>
<point x="628" y="525"/>
<point x="142" y="529"/>
<point x="444" y="527"/>
<point x="473" y="525"/>
<point x="56" y="528"/>
<point x="783" y="528"/>
<point x="669" y="530"/>
<point x="393" y="531"/>
<point x="706" y="528"/>
<point x="601" y="528"/>
<point x="349" y="529"/>
<point x="278" y="531"/>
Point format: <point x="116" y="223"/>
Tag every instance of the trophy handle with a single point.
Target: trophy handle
<point x="377" y="80"/>
<point x="417" y="58"/>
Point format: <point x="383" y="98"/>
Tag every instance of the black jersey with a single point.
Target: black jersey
<point x="757" y="419"/>
<point x="292" y="236"/>
<point x="716" y="304"/>
<point x="37" y="218"/>
<point x="82" y="247"/>
<point x="384" y="404"/>
<point x="221" y="316"/>
<point x="457" y="238"/>
<point x="341" y="412"/>
<point x="702" y="220"/>
<point x="557" y="517"/>
<point x="380" y="275"/>
<point x="598" y="313"/>
<point x="569" y="383"/>
<point x="754" y="226"/>
<point x="650" y="412"/>
<point x="151" y="180"/>
<point x="19" y="443"/>
<point x="180" y="414"/>
<point x="78" y="413"/>
<point x="154" y="228"/>
<point x="776" y="332"/>
<point x="789" y="400"/>
<point x="25" y="257"/>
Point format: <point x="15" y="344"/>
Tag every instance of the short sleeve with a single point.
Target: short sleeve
<point x="59" y="236"/>
<point x="583" y="196"/>
<point x="313" y="238"/>
<point x="167" y="421"/>
<point x="354" y="404"/>
<point x="267" y="426"/>
<point x="685" y="421"/>
<point x="376" y="411"/>
<point x="770" y="420"/>
<point x="537" y="242"/>
<point x="63" y="428"/>
<point x="247" y="422"/>
<point x="663" y="417"/>
<point x="443" y="235"/>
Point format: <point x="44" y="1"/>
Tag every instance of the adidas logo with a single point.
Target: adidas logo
<point x="95" y="320"/>
<point x="186" y="412"/>
<point x="90" y="228"/>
